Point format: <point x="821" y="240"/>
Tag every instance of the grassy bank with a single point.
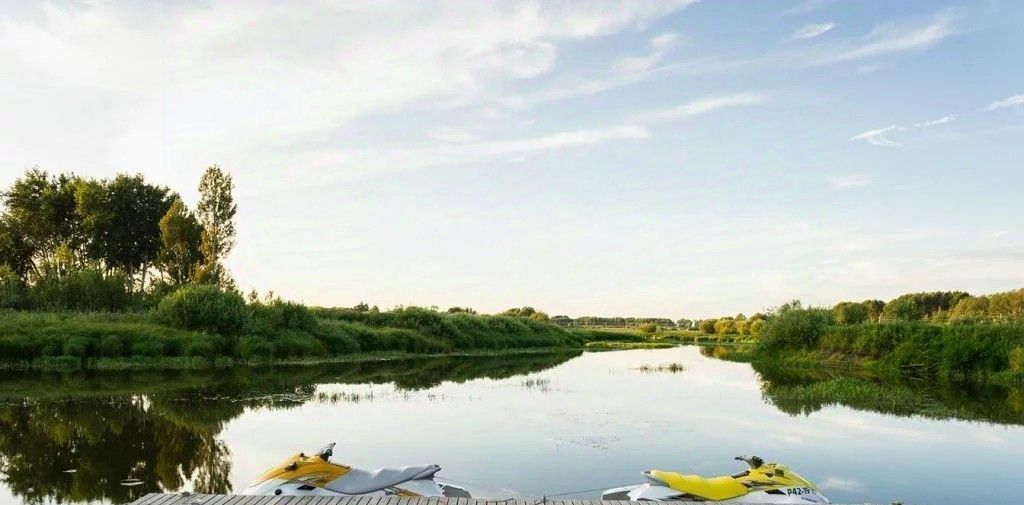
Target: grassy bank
<point x="265" y="333"/>
<point x="988" y="351"/>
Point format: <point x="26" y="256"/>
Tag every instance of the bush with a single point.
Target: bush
<point x="268" y="318"/>
<point x="253" y="347"/>
<point x="794" y="327"/>
<point x="87" y="290"/>
<point x="12" y="290"/>
<point x="204" y="308"/>
<point x="148" y="347"/>
<point x="111" y="346"/>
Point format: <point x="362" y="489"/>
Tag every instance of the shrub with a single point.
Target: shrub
<point x="77" y="346"/>
<point x="794" y="327"/>
<point x="267" y="318"/>
<point x="147" y="347"/>
<point x="12" y="290"/>
<point x="111" y="346"/>
<point x="200" y="348"/>
<point x="81" y="290"/>
<point x="254" y="347"/>
<point x="205" y="308"/>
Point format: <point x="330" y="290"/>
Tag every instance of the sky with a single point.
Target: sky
<point x="663" y="159"/>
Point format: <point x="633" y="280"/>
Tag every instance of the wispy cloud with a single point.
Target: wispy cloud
<point x="878" y="136"/>
<point x="710" y="104"/>
<point x="941" y="120"/>
<point x="658" y="46"/>
<point x="812" y="30"/>
<point x="1010" y="101"/>
<point x="890" y="38"/>
<point x="850" y="181"/>
<point x="882" y="40"/>
<point x="355" y="161"/>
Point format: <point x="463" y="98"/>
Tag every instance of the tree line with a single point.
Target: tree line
<point x="74" y="243"/>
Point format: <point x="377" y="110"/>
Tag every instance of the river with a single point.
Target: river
<point x="510" y="425"/>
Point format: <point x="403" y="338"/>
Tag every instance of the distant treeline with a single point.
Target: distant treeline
<point x="615" y="322"/>
<point x="949" y="334"/>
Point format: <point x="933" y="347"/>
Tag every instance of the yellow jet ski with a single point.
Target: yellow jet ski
<point x="760" y="483"/>
<point x="316" y="475"/>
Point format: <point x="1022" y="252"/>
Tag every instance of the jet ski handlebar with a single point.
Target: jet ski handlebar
<point x="326" y="453"/>
<point x="753" y="461"/>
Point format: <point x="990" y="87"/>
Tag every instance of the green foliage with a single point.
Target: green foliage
<point x="15" y="250"/>
<point x="756" y="327"/>
<point x="793" y="327"/>
<point x="708" y="326"/>
<point x="850" y="313"/>
<point x="216" y="215"/>
<point x="180" y="237"/>
<point x="12" y="290"/>
<point x="726" y="326"/>
<point x="919" y="306"/>
<point x="121" y="219"/>
<point x="206" y="308"/>
<point x="648" y="329"/>
<point x="42" y="211"/>
<point x="85" y="290"/>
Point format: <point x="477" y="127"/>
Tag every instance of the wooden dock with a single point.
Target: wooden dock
<point x="231" y="499"/>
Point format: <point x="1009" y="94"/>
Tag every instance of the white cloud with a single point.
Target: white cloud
<point x="658" y="47"/>
<point x="1010" y="101"/>
<point x="181" y="84"/>
<point x="883" y="40"/>
<point x="878" y="136"/>
<point x="941" y="120"/>
<point x="812" y="30"/>
<point x="351" y="161"/>
<point x="710" y="104"/>
<point x="850" y="181"/>
<point x="890" y="39"/>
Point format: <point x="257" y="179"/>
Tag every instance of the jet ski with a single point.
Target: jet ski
<point x="760" y="483"/>
<point x="316" y="475"/>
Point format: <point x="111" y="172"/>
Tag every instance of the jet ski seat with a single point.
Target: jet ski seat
<point x="713" y="488"/>
<point x="358" y="481"/>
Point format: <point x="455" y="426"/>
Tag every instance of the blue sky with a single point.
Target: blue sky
<point x="646" y="158"/>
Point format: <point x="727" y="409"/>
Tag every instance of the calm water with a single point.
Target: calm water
<point x="519" y="425"/>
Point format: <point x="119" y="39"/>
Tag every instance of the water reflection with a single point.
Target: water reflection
<point x="76" y="437"/>
<point x="549" y="422"/>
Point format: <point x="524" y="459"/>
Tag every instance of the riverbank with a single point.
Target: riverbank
<point x="981" y="351"/>
<point x="277" y="333"/>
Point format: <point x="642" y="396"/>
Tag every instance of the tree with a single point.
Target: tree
<point x="15" y="250"/>
<point x="216" y="214"/>
<point x="708" y="326"/>
<point x="180" y="237"/>
<point x="684" y="324"/>
<point x="121" y="219"/>
<point x="43" y="208"/>
<point x="725" y="325"/>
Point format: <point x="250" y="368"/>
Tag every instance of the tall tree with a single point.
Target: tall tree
<point x="181" y="240"/>
<point x="121" y="218"/>
<point x="216" y="214"/>
<point x="43" y="209"/>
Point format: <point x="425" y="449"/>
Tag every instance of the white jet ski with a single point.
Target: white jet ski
<point x="316" y="475"/>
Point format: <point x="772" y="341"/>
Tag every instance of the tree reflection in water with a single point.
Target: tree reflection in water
<point x="76" y="437"/>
